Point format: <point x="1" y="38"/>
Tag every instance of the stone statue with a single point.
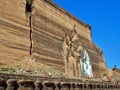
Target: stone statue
<point x="86" y="65"/>
<point x="72" y="53"/>
<point x="69" y="56"/>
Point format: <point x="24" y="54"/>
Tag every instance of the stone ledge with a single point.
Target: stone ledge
<point x="53" y="84"/>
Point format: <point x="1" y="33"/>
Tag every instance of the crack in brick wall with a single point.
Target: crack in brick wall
<point x="29" y="13"/>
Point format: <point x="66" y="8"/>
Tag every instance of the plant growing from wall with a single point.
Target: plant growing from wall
<point x="28" y="12"/>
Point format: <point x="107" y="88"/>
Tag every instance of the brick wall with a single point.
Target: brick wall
<point x="49" y="24"/>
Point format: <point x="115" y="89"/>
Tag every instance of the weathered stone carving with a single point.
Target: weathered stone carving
<point x="72" y="53"/>
<point x="77" y="61"/>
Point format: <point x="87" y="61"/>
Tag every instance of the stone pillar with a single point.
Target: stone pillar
<point x="115" y="87"/>
<point x="3" y="84"/>
<point x="97" y="87"/>
<point x="65" y="86"/>
<point x="118" y="86"/>
<point x="105" y="86"/>
<point x="101" y="87"/>
<point x="86" y="86"/>
<point x="77" y="86"/>
<point x="48" y="86"/>
<point x="93" y="87"/>
<point x="38" y="85"/>
<point x="90" y="86"/>
<point x="83" y="86"/>
<point x="26" y="85"/>
<point x="12" y="84"/>
<point x="108" y="87"/>
<point x="111" y="87"/>
<point x="72" y="86"/>
<point x="57" y="86"/>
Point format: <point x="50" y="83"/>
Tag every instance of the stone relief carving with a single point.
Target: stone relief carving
<point x="77" y="61"/>
<point x="72" y="53"/>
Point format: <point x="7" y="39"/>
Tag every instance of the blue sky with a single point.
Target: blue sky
<point x="104" y="17"/>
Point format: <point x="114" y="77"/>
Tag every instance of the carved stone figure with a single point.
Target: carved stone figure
<point x="72" y="53"/>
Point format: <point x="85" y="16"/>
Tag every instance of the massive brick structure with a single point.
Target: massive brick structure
<point x="49" y="24"/>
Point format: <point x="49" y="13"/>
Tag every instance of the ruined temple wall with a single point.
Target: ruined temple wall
<point x="50" y="23"/>
<point x="14" y="31"/>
